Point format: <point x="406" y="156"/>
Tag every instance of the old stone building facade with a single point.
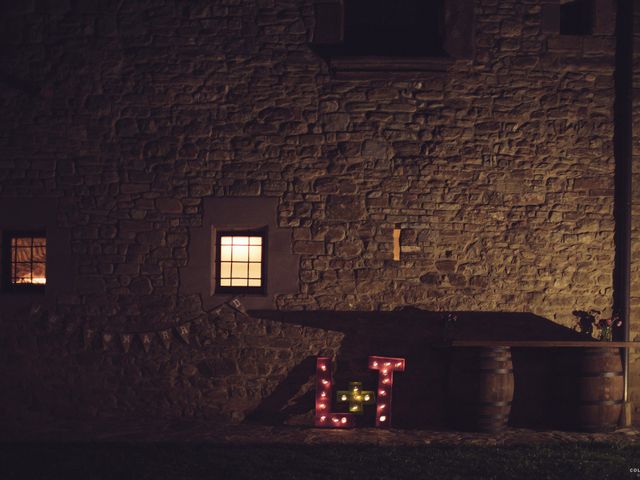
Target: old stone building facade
<point x="129" y="127"/>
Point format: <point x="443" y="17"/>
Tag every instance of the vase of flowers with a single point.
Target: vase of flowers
<point x="449" y="327"/>
<point x="589" y="323"/>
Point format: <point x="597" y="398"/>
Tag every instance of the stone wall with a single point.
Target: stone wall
<point x="229" y="366"/>
<point x="498" y="169"/>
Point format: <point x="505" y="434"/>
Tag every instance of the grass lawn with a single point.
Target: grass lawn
<point x="362" y="462"/>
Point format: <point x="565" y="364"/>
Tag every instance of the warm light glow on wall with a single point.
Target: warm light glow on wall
<point x="386" y="366"/>
<point x="324" y="381"/>
<point x="396" y="244"/>
<point x="240" y="261"/>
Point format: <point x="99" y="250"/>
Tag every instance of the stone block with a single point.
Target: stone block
<point x="308" y="248"/>
<point x="169" y="205"/>
<point x="344" y="207"/>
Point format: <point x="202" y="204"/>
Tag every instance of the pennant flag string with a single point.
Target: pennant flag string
<point x="107" y="339"/>
<point x="89" y="333"/>
<point x="165" y="336"/>
<point x="183" y="329"/>
<point x="126" y="339"/>
<point x="146" y="338"/>
<point x="237" y="305"/>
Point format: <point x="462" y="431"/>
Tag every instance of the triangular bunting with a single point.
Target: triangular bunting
<point x="126" y="339"/>
<point x="53" y="319"/>
<point x="89" y="333"/>
<point x="146" y="338"/>
<point x="107" y="339"/>
<point x="54" y="322"/>
<point x="183" y="331"/>
<point x="71" y="327"/>
<point x="199" y="327"/>
<point x="237" y="304"/>
<point x="165" y="336"/>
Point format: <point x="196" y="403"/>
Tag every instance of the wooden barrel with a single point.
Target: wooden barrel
<point x="591" y="389"/>
<point x="480" y="388"/>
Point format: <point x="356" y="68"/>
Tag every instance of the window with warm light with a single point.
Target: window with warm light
<point x="241" y="262"/>
<point x="24" y="260"/>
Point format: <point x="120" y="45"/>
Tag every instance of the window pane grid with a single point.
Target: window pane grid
<point x="28" y="257"/>
<point x="240" y="262"/>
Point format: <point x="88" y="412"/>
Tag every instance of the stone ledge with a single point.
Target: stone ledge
<point x="387" y="67"/>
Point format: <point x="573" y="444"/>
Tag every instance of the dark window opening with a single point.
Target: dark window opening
<point x="393" y="28"/>
<point x="576" y="17"/>
<point x="24" y="258"/>
<point x="241" y="261"/>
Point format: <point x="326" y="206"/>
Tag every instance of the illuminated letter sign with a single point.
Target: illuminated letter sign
<point x="386" y="367"/>
<point x="324" y="417"/>
<point x="356" y="397"/>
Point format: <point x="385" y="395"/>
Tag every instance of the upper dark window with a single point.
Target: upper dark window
<point x="241" y="262"/>
<point x="393" y="31"/>
<point x="24" y="258"/>
<point x="393" y="27"/>
<point x="576" y="17"/>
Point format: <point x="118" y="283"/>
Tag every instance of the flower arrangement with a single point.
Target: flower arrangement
<point x="590" y="321"/>
<point x="449" y="326"/>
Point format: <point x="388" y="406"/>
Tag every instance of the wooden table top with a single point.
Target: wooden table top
<point x="543" y="343"/>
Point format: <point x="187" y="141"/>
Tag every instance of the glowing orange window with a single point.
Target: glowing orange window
<point x="241" y="262"/>
<point x="24" y="260"/>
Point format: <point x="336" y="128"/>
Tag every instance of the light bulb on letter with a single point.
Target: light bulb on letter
<point x="323" y="395"/>
<point x="385" y="382"/>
